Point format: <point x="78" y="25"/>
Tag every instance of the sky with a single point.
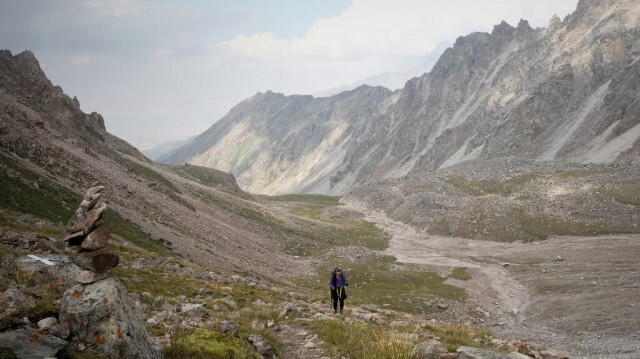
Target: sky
<point x="164" y="70"/>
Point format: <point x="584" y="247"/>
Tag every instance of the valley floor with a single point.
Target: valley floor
<point x="578" y="295"/>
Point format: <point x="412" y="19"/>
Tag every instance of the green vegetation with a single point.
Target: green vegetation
<point x="504" y="187"/>
<point x="150" y="174"/>
<point x="460" y="273"/>
<point x="203" y="343"/>
<point x="385" y="282"/>
<point x="357" y="340"/>
<point x="308" y="205"/>
<point x="310" y="238"/>
<point x="213" y="178"/>
<point x="317" y="199"/>
<point x="10" y="221"/>
<point x="132" y="232"/>
<point x="45" y="200"/>
<point x="539" y="227"/>
<point x="518" y="225"/>
<point x="626" y="192"/>
<point x="206" y="176"/>
<point x="14" y="318"/>
<point x="454" y="336"/>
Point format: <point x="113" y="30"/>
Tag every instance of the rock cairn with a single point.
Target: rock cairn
<point x="88" y="242"/>
<point x="99" y="310"/>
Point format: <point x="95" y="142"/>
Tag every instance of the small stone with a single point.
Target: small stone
<point x="62" y="331"/>
<point x="97" y="239"/>
<point x="47" y="323"/>
<point x="86" y="277"/>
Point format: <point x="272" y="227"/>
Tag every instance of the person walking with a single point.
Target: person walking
<point x="337" y="283"/>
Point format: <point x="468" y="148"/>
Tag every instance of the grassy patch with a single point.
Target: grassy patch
<point x="203" y="343"/>
<point x="316" y="199"/>
<point x="145" y="171"/>
<point x="518" y="225"/>
<point x="383" y="281"/>
<point x="132" y="232"/>
<point x="47" y="200"/>
<point x="625" y="192"/>
<point x="460" y="273"/>
<point x="10" y="221"/>
<point x="213" y="178"/>
<point x="504" y="187"/>
<point x="540" y="227"/>
<point x="310" y="238"/>
<point x="454" y="336"/>
<point x="357" y="340"/>
<point x="14" y="319"/>
<point x="321" y="238"/>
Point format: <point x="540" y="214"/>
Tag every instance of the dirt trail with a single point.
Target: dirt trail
<point x="579" y="295"/>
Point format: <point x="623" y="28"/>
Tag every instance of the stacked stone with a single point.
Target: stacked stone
<point x="88" y="243"/>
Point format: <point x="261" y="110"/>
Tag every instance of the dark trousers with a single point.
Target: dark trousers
<point x="335" y="298"/>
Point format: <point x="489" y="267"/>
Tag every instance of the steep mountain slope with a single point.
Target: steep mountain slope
<point x="50" y="152"/>
<point x="566" y="93"/>
<point x="272" y="142"/>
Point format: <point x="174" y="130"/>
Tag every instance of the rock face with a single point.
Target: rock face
<point x="102" y="317"/>
<point x="567" y="92"/>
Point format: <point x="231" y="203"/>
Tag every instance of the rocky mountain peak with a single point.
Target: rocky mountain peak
<point x="564" y="93"/>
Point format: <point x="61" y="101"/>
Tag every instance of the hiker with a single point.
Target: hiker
<point x="337" y="283"/>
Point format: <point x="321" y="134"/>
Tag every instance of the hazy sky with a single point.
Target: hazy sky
<point x="163" y="70"/>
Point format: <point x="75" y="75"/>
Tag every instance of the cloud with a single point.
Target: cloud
<point x="380" y="28"/>
<point x="80" y="60"/>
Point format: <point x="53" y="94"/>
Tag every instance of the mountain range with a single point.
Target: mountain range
<point x="564" y="93"/>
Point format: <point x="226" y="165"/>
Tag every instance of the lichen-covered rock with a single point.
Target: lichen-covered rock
<point x="102" y="317"/>
<point x="260" y="345"/>
<point x="12" y="297"/>
<point x="29" y="343"/>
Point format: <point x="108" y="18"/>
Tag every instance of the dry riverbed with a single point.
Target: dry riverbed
<point x="579" y="295"/>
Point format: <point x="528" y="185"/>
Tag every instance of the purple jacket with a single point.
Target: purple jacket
<point x="338" y="282"/>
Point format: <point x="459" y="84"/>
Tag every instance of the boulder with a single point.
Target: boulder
<point x="102" y="317"/>
<point x="477" y="353"/>
<point x="29" y="343"/>
<point x="12" y="297"/>
<point x="426" y="350"/>
<point x="193" y="310"/>
<point x="260" y="345"/>
<point x="227" y="327"/>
